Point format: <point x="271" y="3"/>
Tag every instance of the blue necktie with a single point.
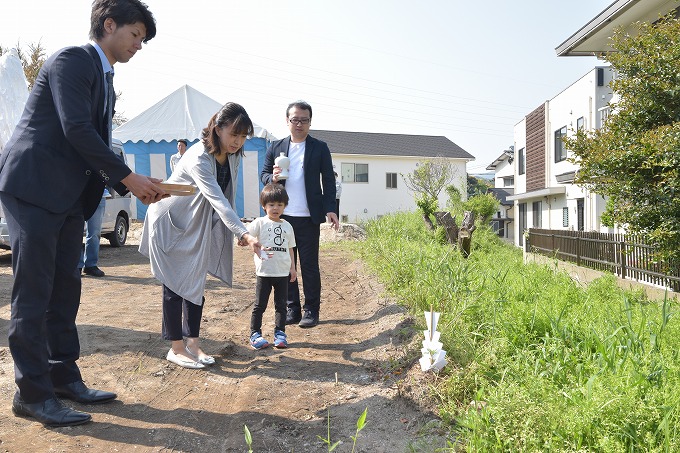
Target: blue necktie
<point x="110" y="95"/>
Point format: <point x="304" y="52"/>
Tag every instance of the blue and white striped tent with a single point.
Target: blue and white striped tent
<point x="151" y="137"/>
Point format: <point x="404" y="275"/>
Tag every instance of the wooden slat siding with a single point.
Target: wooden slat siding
<point x="535" y="149"/>
<point x="602" y="251"/>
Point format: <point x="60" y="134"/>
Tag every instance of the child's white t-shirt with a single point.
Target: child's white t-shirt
<point x="278" y="237"/>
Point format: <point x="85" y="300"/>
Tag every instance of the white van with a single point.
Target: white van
<point x="116" y="221"/>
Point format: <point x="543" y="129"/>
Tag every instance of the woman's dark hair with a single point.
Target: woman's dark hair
<point x="273" y="193"/>
<point x="123" y="12"/>
<point x="302" y="105"/>
<point x="230" y="114"/>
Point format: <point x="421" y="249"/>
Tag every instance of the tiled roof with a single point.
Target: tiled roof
<point x="378" y="144"/>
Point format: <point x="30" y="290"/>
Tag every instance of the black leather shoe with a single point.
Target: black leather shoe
<point x="78" y="392"/>
<point x="50" y="413"/>
<point x="93" y="271"/>
<point x="310" y="319"/>
<point x="293" y="316"/>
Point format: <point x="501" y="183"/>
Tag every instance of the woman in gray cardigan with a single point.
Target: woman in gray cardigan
<point x="188" y="237"/>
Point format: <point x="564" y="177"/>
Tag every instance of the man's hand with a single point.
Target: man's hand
<point x="332" y="218"/>
<point x="143" y="188"/>
<point x="275" y="173"/>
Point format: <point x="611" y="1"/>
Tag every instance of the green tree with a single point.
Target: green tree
<point x="634" y="160"/>
<point x="430" y="177"/>
<point x="427" y="181"/>
<point x="483" y="205"/>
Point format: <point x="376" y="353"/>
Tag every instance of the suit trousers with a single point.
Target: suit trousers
<point x="307" y="235"/>
<point x="43" y="337"/>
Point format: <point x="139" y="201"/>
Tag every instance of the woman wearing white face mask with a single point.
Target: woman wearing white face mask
<point x="187" y="237"/>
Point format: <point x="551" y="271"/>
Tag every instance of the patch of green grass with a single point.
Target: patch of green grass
<point x="551" y="365"/>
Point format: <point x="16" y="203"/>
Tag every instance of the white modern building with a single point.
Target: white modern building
<point x="544" y="193"/>
<point x="545" y="196"/>
<point x="504" y="187"/>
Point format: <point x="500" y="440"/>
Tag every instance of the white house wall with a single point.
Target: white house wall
<point x="520" y="142"/>
<point x="362" y="201"/>
<point x="504" y="170"/>
<point x="582" y="99"/>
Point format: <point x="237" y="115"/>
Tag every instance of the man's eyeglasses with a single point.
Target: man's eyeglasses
<point x="299" y="121"/>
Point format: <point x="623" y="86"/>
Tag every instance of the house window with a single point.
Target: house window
<point x="391" y="181"/>
<point x="536" y="214"/>
<point x="521" y="164"/>
<point x="508" y="181"/>
<point x="354" y="172"/>
<point x="565" y="217"/>
<point x="560" y="149"/>
<point x="580" y="124"/>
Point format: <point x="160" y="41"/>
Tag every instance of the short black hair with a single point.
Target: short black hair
<point x="302" y="105"/>
<point x="123" y="12"/>
<point x="182" y="140"/>
<point x="274" y="193"/>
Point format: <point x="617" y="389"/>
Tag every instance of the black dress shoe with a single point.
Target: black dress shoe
<point x="78" y="392"/>
<point x="293" y="316"/>
<point x="50" y="413"/>
<point x="310" y="319"/>
<point x="93" y="271"/>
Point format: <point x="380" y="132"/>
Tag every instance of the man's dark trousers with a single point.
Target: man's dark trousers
<point x="47" y="283"/>
<point x="307" y="251"/>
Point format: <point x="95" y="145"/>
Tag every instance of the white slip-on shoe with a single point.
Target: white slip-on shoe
<point x="182" y="361"/>
<point x="205" y="360"/>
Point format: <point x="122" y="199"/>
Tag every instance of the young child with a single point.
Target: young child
<point x="275" y="267"/>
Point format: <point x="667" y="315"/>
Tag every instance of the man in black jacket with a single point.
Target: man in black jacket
<point x="52" y="175"/>
<point x="311" y="191"/>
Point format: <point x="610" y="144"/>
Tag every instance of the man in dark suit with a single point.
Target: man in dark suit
<point x="52" y="175"/>
<point x="311" y="191"/>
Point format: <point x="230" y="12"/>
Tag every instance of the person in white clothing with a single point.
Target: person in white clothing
<point x="181" y="149"/>
<point x="275" y="267"/>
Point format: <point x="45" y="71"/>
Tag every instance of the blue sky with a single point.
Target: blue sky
<point x="465" y="70"/>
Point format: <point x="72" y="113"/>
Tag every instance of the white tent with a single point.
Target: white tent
<point x="151" y="137"/>
<point x="181" y="114"/>
<point x="13" y="94"/>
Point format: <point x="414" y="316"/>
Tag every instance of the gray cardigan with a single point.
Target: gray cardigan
<point x="187" y="237"/>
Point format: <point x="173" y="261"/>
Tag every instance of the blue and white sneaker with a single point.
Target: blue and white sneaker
<point x="257" y="341"/>
<point x="280" y="340"/>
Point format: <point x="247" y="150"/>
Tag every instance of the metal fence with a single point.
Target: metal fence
<point x="627" y="256"/>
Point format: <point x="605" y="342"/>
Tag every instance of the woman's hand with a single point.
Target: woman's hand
<point x="252" y="242"/>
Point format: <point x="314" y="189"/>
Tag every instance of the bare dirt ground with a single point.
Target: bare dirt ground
<point x="358" y="357"/>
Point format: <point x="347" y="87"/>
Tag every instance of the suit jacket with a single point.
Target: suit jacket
<point x="58" y="152"/>
<point x="318" y="161"/>
<point x="187" y="237"/>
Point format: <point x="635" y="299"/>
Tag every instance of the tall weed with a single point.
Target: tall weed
<point x="542" y="363"/>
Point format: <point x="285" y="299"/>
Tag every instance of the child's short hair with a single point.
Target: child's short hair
<point x="274" y="193"/>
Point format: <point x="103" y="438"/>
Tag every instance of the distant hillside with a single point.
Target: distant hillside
<point x="488" y="175"/>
